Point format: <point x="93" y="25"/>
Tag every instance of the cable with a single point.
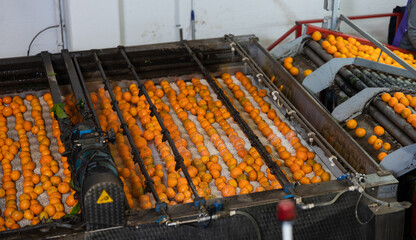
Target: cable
<point x="30" y="45"/>
<point x="356" y="212"/>
<point x="232" y="213"/>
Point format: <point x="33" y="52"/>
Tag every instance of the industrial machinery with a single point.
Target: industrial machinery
<point x="356" y="88"/>
<point x="356" y="200"/>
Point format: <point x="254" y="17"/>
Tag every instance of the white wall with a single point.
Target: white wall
<point x="145" y="22"/>
<point x="108" y="23"/>
<point x="20" y="21"/>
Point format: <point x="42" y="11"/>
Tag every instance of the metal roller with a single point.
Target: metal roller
<point x="345" y="73"/>
<point x="400" y="122"/>
<point x="390" y="127"/>
<point x="344" y="86"/>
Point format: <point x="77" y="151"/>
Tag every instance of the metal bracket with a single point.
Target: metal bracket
<point x="324" y="76"/>
<point x="355" y="104"/>
<point x="400" y="161"/>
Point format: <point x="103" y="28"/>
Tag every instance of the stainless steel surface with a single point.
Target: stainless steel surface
<point x="324" y="76"/>
<point x="355" y="104"/>
<point x="401" y="161"/>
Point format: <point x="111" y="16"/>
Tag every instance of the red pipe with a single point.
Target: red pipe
<point x="279" y="40"/>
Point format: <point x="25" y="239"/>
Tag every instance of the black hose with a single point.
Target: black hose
<point x="252" y="220"/>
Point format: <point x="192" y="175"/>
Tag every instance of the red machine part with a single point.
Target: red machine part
<point x="299" y="24"/>
<point x="286" y="210"/>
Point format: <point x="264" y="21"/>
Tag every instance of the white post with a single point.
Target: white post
<point x="287" y="230"/>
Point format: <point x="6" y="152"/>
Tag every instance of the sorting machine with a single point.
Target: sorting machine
<point x="351" y="88"/>
<point x="359" y="202"/>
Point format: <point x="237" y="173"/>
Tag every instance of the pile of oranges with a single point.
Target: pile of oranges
<point x="25" y="207"/>
<point x="351" y="48"/>
<point x="302" y="162"/>
<point x="243" y="172"/>
<point x="190" y="104"/>
<point x="402" y="104"/>
<point x="373" y="140"/>
<point x="288" y="63"/>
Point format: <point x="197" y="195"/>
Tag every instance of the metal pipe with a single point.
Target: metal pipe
<point x="345" y="73"/>
<point x="367" y="81"/>
<point x="400" y="122"/>
<point x="192" y="20"/>
<point x="378" y="44"/>
<point x="389" y="126"/>
<point x="86" y="93"/>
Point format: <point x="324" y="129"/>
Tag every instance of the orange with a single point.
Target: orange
<point x="306" y="168"/>
<point x="307" y="72"/>
<point x="294" y="71"/>
<point x="372" y="139"/>
<point x="7" y="111"/>
<point x="236" y="172"/>
<point x="316" y="36"/>
<point x="398" y="95"/>
<point x="331" y="49"/>
<point x="351" y="124"/>
<point x="378" y="144"/>
<point x="288" y="65"/>
<point x="325" y="44"/>
<point x="405" y="113"/>
<point x="15" y="174"/>
<point x="297" y="175"/>
<point x="50" y="209"/>
<point x="360" y="132"/>
<point x="316" y="167"/>
<point x="386" y="146"/>
<point x="404" y="101"/>
<point x="228" y="191"/>
<point x="381" y="156"/>
<point x="63" y="187"/>
<point x="294" y="167"/>
<point x="24" y="204"/>
<point x="325" y="177"/>
<point x="9" y="222"/>
<point x="398" y="107"/>
<point x="393" y="101"/>
<point x="411" y="118"/>
<point x="36" y="208"/>
<point x="17" y="215"/>
<point x="378" y="130"/>
<point x="305" y="180"/>
<point x="316" y="179"/>
<point x="288" y="60"/>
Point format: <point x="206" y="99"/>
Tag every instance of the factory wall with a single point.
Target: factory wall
<point x="108" y="23"/>
<point x="20" y="21"/>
